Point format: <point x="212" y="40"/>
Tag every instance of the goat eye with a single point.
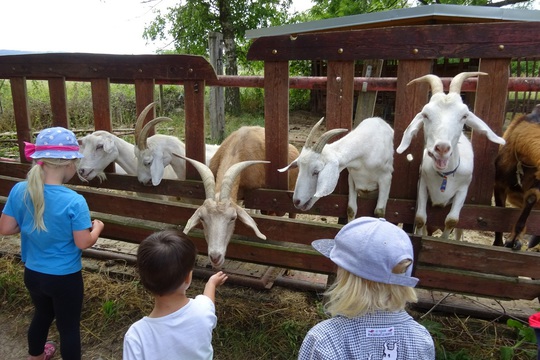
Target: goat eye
<point x="315" y="173"/>
<point x="99" y="147"/>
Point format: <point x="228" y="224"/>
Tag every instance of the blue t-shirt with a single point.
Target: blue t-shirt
<point x="52" y="251"/>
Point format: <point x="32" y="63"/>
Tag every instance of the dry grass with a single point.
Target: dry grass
<point x="252" y="324"/>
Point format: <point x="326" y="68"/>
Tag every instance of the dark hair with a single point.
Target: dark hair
<point x="164" y="260"/>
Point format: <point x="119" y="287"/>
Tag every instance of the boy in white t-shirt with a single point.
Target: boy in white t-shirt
<point x="178" y="327"/>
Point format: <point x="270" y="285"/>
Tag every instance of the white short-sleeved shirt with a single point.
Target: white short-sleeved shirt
<point x="185" y="334"/>
<point x="377" y="336"/>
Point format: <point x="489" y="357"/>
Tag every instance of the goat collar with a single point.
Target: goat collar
<point x="444" y="176"/>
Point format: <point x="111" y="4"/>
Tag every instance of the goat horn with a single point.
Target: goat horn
<point x="325" y="138"/>
<point x="206" y="175"/>
<point x="457" y="81"/>
<point x="140" y="120"/>
<point x="434" y="81"/>
<point x="232" y="173"/>
<point x="143" y="135"/>
<point x="311" y="135"/>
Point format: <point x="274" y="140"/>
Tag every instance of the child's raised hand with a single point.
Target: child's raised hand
<point x="218" y="278"/>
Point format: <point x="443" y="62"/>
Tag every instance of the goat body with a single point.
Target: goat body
<point x="366" y="152"/>
<point x="447" y="162"/>
<point x="237" y="165"/>
<point x="517" y="174"/>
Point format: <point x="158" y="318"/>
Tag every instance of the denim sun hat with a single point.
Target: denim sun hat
<point x="54" y="143"/>
<point x="370" y="248"/>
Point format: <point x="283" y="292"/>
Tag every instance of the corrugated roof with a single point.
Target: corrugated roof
<point x="396" y="17"/>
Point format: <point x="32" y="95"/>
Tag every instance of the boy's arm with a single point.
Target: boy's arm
<point x="215" y="280"/>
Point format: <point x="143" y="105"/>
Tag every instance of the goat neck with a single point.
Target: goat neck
<point x="125" y="157"/>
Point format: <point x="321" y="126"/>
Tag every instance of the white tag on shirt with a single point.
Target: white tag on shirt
<point x="380" y="332"/>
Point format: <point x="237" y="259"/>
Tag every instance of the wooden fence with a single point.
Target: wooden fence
<point x="443" y="265"/>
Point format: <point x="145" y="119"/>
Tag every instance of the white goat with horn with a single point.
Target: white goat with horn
<point x="447" y="163"/>
<point x="153" y="157"/>
<point x="367" y="152"/>
<point x="219" y="211"/>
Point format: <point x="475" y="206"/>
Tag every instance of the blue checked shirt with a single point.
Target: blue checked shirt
<point x="377" y="336"/>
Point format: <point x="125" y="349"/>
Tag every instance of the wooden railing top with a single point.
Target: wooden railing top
<point x="489" y="40"/>
<point x="117" y="68"/>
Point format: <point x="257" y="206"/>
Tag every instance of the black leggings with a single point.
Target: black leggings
<point x="60" y="297"/>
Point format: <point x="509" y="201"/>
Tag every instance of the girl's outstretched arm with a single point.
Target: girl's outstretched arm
<point x="86" y="238"/>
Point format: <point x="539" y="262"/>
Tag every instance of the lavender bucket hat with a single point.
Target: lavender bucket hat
<point x="370" y="248"/>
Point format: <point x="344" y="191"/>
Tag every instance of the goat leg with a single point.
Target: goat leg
<point x="519" y="228"/>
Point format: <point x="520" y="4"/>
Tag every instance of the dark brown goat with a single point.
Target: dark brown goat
<point x="517" y="174"/>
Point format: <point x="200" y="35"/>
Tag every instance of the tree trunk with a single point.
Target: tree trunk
<point x="232" y="95"/>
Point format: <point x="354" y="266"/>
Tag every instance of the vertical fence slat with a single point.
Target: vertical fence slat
<point x="194" y="107"/>
<point x="276" y="117"/>
<point x="101" y="104"/>
<point x="21" y="112"/>
<point x="409" y="101"/>
<point x="490" y="106"/>
<point x="58" y="95"/>
<point x="144" y="95"/>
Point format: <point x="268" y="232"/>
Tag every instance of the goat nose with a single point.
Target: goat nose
<point x="442" y="148"/>
<point x="296" y="202"/>
<point x="215" y="259"/>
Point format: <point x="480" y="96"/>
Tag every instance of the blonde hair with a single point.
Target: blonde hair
<point x="353" y="296"/>
<point x="35" y="187"/>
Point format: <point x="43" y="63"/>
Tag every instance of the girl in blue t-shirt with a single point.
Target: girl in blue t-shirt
<point x="55" y="225"/>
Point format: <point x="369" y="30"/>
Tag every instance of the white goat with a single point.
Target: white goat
<point x="447" y="163"/>
<point x="154" y="156"/>
<point x="220" y="209"/>
<point x="101" y="148"/>
<point x="367" y="152"/>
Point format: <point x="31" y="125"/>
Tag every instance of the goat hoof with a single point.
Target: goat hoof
<point x="514" y="245"/>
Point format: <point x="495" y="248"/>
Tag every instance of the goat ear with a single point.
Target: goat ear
<point x="327" y="179"/>
<point x="193" y="221"/>
<point x="411" y="130"/>
<point x="108" y="145"/>
<point x="248" y="220"/>
<point x="292" y="165"/>
<point x="479" y="125"/>
<point x="157" y="170"/>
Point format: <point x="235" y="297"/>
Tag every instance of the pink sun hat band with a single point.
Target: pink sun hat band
<point x="53" y="143"/>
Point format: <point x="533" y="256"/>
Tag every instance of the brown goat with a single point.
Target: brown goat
<point x="247" y="143"/>
<point x="517" y="174"/>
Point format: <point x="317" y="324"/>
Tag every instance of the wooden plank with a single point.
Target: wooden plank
<point x="21" y="112"/>
<point x="276" y="123"/>
<point x="120" y="68"/>
<point x="409" y="101"/>
<point x="101" y="104"/>
<point x="194" y="113"/>
<point x="365" y="104"/>
<point x="58" y="95"/>
<point x="490" y="106"/>
<point x="478" y="258"/>
<point x="488" y="40"/>
<point x="478" y="284"/>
